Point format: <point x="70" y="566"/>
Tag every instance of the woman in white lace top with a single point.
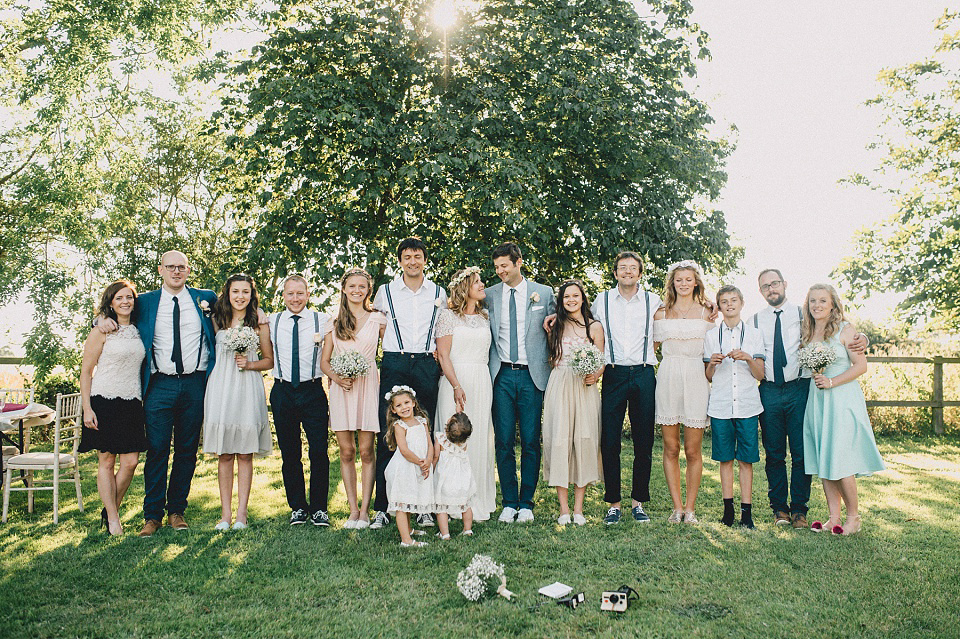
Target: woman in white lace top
<point x="112" y="407"/>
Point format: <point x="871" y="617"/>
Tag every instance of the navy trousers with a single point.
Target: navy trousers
<point x="517" y="402"/>
<point x="781" y="425"/>
<point x="633" y="388"/>
<point x="306" y="406"/>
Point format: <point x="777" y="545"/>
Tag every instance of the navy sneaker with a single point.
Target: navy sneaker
<point x="639" y="516"/>
<point x="425" y="520"/>
<point x="380" y="520"/>
<point x="613" y="516"/>
<point x="320" y="518"/>
<point x="299" y="516"/>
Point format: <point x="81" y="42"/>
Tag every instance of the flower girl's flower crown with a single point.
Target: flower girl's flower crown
<point x="685" y="264"/>
<point x="399" y="389"/>
<point x="464" y="274"/>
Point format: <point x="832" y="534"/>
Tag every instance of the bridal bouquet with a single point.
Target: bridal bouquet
<point x="586" y="359"/>
<point x="241" y="339"/>
<point x="349" y="364"/>
<point x="483" y="576"/>
<point x="816" y="356"/>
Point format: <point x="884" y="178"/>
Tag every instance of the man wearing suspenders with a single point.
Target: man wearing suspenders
<point x="783" y="393"/>
<point x="626" y="313"/>
<point x="411" y="304"/>
<point x="298" y="398"/>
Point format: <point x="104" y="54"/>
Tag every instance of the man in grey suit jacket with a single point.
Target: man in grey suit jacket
<point x="519" y="368"/>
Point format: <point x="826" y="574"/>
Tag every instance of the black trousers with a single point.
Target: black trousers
<point x="306" y="406"/>
<point x="633" y="388"/>
<point x="420" y="372"/>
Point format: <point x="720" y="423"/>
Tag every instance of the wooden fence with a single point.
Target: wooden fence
<point x="936" y="403"/>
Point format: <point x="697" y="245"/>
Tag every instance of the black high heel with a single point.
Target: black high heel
<point x="103" y="520"/>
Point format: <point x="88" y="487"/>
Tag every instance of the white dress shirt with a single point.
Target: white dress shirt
<point x="416" y="315"/>
<point x="734" y="393"/>
<point x="281" y="333"/>
<point x="193" y="349"/>
<point x="503" y="331"/>
<point x="629" y="323"/>
<point x="790" y="326"/>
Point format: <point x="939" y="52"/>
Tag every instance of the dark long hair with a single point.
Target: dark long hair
<point x="555" y="337"/>
<point x="106" y="300"/>
<point x="223" y="312"/>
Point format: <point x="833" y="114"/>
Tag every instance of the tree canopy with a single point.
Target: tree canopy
<point x="915" y="250"/>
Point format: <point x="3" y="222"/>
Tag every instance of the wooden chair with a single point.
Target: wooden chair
<point x="65" y="465"/>
<point x="17" y="395"/>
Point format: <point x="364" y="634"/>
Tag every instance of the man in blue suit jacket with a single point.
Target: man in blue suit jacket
<point x="178" y="335"/>
<point x="519" y="368"/>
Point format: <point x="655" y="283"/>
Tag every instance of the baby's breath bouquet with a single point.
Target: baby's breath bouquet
<point x="483" y="576"/>
<point x="349" y="364"/>
<point x="586" y="359"/>
<point x="241" y="339"/>
<point x="816" y="356"/>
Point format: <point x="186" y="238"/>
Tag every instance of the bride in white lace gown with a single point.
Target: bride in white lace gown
<point x="463" y="348"/>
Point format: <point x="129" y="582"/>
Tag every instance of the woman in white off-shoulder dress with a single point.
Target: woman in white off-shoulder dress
<point x="463" y="348"/>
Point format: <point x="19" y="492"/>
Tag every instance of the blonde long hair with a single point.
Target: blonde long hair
<point x="461" y="291"/>
<point x="345" y="323"/>
<point x="835" y="320"/>
<point x="670" y="293"/>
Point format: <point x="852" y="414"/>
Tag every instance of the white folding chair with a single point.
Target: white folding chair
<point x="17" y="395"/>
<point x="65" y="465"/>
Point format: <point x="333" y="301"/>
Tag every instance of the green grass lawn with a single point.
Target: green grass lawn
<point x="898" y="578"/>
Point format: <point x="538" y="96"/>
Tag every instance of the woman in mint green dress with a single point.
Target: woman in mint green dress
<point x="838" y="442"/>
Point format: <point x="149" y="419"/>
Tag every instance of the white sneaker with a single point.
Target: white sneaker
<point x="239" y="525"/>
<point x="524" y="515"/>
<point x="579" y="520"/>
<point x="360" y="524"/>
<point x="563" y="520"/>
<point x="507" y="515"/>
<point x="350" y="524"/>
<point x="223" y="525"/>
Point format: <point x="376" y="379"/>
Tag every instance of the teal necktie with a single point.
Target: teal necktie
<point x="514" y="340"/>
<point x="295" y="363"/>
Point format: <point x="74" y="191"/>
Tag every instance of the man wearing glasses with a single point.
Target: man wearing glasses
<point x="783" y="393"/>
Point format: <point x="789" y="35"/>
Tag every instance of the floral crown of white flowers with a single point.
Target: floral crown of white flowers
<point x="399" y="389"/>
<point x="464" y="274"/>
<point x="685" y="264"/>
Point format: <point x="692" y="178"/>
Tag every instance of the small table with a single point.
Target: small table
<point x="15" y="426"/>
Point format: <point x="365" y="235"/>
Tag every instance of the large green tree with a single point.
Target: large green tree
<point x="562" y="124"/>
<point x="916" y="250"/>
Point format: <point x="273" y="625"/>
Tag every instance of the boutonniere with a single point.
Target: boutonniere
<point x="318" y="338"/>
<point x="535" y="297"/>
<point x="205" y="307"/>
<point x="440" y="302"/>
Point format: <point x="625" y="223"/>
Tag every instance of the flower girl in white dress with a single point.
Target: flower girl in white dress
<point x="454" y="486"/>
<point x="409" y="485"/>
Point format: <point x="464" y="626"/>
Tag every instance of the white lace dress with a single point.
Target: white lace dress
<point x="235" y="407"/>
<point x="115" y="396"/>
<point x="470" y="355"/>
<point x="454" y="487"/>
<point x="407" y="490"/>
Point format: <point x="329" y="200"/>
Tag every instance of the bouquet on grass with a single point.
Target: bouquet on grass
<point x="483" y="576"/>
<point x="816" y="356"/>
<point x="241" y="339"/>
<point x="349" y="364"/>
<point x="586" y="359"/>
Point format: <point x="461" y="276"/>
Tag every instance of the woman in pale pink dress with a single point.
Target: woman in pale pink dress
<point x="354" y="402"/>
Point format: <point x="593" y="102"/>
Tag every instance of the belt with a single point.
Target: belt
<point x="181" y="375"/>
<point x="408" y="355"/>
<point x="630" y="367"/>
<point x="514" y="367"/>
<point x="308" y="381"/>
<point x="792" y="381"/>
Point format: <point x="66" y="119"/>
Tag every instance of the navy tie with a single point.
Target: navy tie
<point x="177" y="356"/>
<point x="295" y="362"/>
<point x="779" y="354"/>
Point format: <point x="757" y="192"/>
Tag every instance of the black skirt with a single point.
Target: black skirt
<point x="120" y="427"/>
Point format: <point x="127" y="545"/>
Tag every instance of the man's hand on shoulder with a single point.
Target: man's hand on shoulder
<point x="104" y="324"/>
<point x="262" y="318"/>
<point x="859" y="343"/>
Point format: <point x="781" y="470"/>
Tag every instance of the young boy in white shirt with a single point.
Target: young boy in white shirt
<point x="733" y="355"/>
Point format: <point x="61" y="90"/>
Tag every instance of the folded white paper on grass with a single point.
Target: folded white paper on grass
<point x="556" y="590"/>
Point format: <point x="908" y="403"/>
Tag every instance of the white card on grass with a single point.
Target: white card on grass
<point x="556" y="590"/>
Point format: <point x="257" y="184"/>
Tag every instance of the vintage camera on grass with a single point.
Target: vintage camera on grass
<point x="618" y="600"/>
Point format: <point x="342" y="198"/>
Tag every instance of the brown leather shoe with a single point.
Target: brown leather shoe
<point x="150" y="526"/>
<point x="782" y="518"/>
<point x="798" y="520"/>
<point x="176" y="521"/>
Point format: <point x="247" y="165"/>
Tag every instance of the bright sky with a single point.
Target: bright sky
<point x="793" y="78"/>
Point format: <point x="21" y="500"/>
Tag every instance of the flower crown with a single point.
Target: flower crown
<point x="399" y="389"/>
<point x="685" y="264"/>
<point x="464" y="274"/>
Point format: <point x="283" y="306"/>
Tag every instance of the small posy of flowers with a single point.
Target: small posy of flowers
<point x="440" y="302"/>
<point x="396" y="389"/>
<point x="535" y="297"/>
<point x="241" y="339"/>
<point x="205" y="307"/>
<point x="483" y="576"/>
<point x="318" y="338"/>
<point x="586" y="360"/>
<point x="349" y="364"/>
<point x="816" y="356"/>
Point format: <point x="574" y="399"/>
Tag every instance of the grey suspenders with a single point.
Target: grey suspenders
<point x="276" y="346"/>
<point x="646" y="327"/>
<point x="396" y="326"/>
